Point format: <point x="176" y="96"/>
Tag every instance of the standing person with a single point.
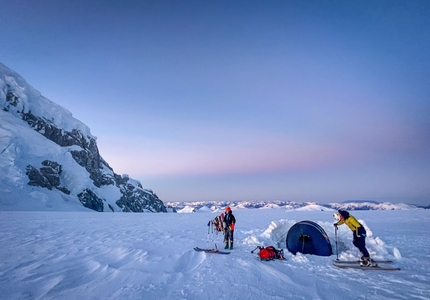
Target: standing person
<point x="359" y="234"/>
<point x="229" y="222"/>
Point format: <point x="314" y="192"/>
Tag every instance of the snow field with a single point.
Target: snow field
<point x="88" y="255"/>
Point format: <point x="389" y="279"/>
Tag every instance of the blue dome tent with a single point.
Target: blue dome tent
<point x="308" y="237"/>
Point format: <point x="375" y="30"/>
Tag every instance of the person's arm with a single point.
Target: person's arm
<point x="233" y="222"/>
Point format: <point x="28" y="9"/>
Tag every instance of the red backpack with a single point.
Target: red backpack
<point x="270" y="253"/>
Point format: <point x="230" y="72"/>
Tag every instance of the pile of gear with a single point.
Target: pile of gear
<point x="269" y="253"/>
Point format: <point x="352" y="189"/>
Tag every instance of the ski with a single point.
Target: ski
<point x="373" y="268"/>
<point x="357" y="261"/>
<point x="214" y="251"/>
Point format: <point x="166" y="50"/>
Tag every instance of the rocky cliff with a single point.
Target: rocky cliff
<point x="62" y="163"/>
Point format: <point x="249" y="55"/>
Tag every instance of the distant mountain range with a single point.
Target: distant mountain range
<point x="353" y="205"/>
<point x="50" y="161"/>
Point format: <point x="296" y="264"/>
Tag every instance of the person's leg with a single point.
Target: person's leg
<point x="361" y="245"/>
<point x="362" y="242"/>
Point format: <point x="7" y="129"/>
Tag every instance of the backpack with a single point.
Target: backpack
<point x="270" y="253"/>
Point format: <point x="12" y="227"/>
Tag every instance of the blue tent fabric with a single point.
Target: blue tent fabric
<point x="308" y="237"/>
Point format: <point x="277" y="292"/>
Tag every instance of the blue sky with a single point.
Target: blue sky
<point x="320" y="101"/>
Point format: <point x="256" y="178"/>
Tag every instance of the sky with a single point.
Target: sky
<point x="320" y="101"/>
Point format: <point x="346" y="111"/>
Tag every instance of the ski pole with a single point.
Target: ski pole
<point x="255" y="249"/>
<point x="337" y="250"/>
<point x="207" y="239"/>
<point x="212" y="229"/>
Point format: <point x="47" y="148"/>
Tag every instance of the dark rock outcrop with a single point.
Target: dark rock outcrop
<point x="48" y="176"/>
<point x="90" y="200"/>
<point x="136" y="199"/>
<point x="11" y="98"/>
<point x="88" y="157"/>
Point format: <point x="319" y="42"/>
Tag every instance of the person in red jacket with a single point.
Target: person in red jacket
<point x="229" y="223"/>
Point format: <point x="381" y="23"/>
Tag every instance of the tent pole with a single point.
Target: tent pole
<point x="277" y="242"/>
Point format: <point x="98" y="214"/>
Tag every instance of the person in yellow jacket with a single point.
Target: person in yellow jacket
<point x="359" y="234"/>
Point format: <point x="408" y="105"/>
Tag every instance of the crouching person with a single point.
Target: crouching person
<point x="359" y="234"/>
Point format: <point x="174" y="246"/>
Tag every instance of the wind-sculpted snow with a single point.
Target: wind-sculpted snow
<point x="62" y="255"/>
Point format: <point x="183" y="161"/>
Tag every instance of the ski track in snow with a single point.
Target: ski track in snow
<point x="63" y="255"/>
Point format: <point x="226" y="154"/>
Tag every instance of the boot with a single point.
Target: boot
<point x="365" y="262"/>
<point x="231" y="246"/>
<point x="226" y="245"/>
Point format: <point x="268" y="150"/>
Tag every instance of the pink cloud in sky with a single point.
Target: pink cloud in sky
<point x="259" y="152"/>
<point x="260" y="158"/>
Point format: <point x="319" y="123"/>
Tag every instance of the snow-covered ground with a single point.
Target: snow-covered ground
<point x="89" y="255"/>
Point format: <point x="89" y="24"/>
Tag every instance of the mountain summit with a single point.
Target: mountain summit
<point x="50" y="161"/>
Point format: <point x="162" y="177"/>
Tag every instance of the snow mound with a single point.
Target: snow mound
<point x="187" y="209"/>
<point x="314" y="207"/>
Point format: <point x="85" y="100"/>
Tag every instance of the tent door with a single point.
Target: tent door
<point x="304" y="238"/>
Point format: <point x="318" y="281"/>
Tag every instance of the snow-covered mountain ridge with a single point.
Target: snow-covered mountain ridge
<point x="50" y="161"/>
<point x="219" y="205"/>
